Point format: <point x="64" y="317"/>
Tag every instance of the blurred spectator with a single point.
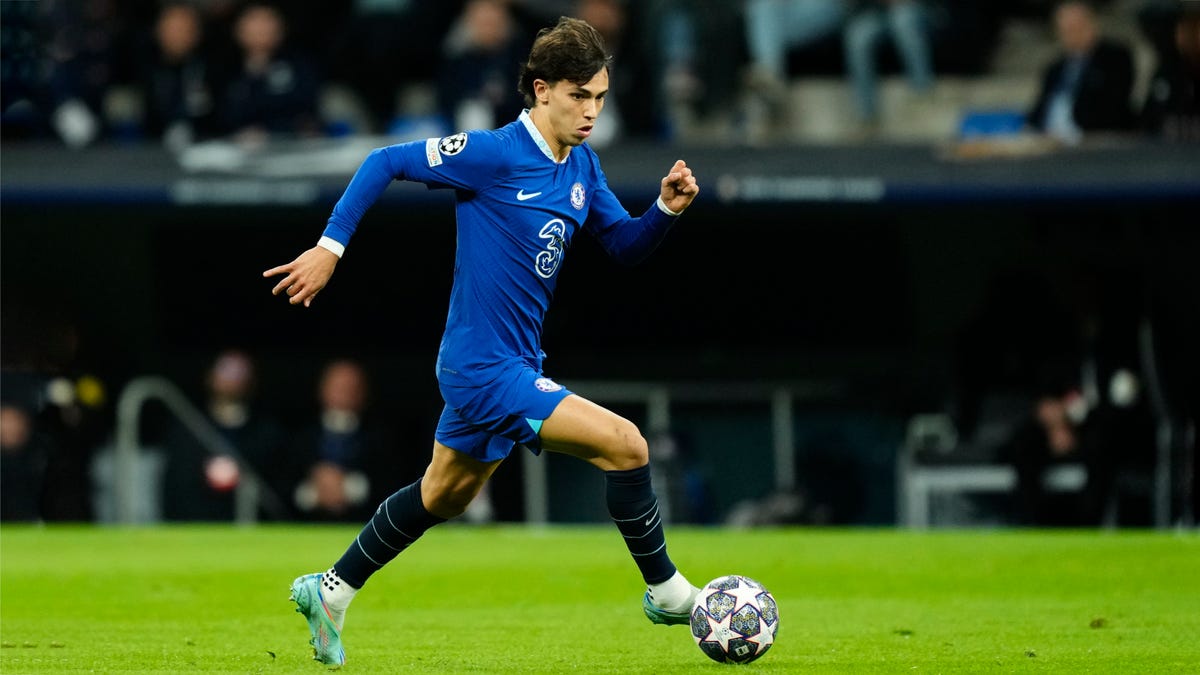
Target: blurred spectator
<point x="388" y="44"/>
<point x="1088" y="88"/>
<point x="1097" y="415"/>
<point x="76" y="421"/>
<point x="774" y="28"/>
<point x="198" y="485"/>
<point x="176" y="80"/>
<point x="56" y="412"/>
<point x="346" y="463"/>
<point x="905" y="21"/>
<point x="482" y="52"/>
<point x="83" y="48"/>
<point x="23" y="460"/>
<point x="1050" y="374"/>
<point x="1172" y="106"/>
<point x="692" y="53"/>
<point x="1101" y="435"/>
<point x="20" y="70"/>
<point x="273" y="91"/>
<point x="217" y="18"/>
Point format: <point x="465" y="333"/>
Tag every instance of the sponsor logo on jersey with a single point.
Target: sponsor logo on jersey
<point x="432" y="158"/>
<point x="577" y="196"/>
<point x="553" y="235"/>
<point x="452" y="145"/>
<point x="547" y="385"/>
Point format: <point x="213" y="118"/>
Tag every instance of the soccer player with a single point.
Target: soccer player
<point x="523" y="192"/>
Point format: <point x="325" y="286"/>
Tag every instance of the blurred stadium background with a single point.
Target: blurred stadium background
<point x="934" y="316"/>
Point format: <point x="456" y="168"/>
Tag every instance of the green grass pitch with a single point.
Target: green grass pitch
<point x="554" y="600"/>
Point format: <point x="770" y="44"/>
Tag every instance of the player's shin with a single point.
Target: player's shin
<point x="634" y="508"/>
<point x="398" y="522"/>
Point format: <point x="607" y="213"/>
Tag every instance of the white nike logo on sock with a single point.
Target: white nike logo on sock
<point x="521" y="196"/>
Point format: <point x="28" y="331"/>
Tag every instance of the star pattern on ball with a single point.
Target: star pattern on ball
<point x="729" y="619"/>
<point x="720" y="632"/>
<point x="744" y="594"/>
<point x="764" y="639"/>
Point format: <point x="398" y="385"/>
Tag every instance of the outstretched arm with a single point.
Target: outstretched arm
<point x="446" y="162"/>
<point x="310" y="271"/>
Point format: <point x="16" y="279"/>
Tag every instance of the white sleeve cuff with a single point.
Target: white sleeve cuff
<point x="662" y="206"/>
<point x="332" y="245"/>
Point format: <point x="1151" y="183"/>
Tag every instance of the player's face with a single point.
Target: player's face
<point x="570" y="109"/>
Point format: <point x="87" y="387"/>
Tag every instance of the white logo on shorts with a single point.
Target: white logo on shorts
<point x="547" y="385"/>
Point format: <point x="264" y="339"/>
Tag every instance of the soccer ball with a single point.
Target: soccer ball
<point x="735" y="619"/>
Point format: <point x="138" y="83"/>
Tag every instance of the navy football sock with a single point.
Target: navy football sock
<point x="634" y="508"/>
<point x="399" y="521"/>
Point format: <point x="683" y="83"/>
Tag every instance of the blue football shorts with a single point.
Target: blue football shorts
<point x="487" y="421"/>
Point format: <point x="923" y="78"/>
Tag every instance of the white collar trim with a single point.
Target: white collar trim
<point x="538" y="138"/>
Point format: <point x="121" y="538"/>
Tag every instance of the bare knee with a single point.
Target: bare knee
<point x="452" y="480"/>
<point x="449" y="498"/>
<point x="629" y="449"/>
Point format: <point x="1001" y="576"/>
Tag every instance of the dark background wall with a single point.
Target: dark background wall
<point x="877" y="298"/>
<point x="734" y="292"/>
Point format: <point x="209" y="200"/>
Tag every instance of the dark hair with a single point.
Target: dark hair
<point x="572" y="50"/>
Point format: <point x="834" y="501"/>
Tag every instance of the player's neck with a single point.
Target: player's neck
<point x="559" y="149"/>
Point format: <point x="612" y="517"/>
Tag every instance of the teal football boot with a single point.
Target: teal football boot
<point x="661" y="616"/>
<point x="326" y="638"/>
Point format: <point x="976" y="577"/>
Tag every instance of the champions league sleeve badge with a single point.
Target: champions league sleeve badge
<point x="452" y="145"/>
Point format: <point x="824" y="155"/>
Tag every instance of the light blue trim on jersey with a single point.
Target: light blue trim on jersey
<point x="538" y="138"/>
<point x="535" y="424"/>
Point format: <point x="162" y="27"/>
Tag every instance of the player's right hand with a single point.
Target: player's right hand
<point x="305" y="276"/>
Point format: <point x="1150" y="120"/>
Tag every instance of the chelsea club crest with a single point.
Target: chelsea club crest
<point x="547" y="385"/>
<point x="577" y="196"/>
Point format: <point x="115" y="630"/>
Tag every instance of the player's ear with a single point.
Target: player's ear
<point x="541" y="91"/>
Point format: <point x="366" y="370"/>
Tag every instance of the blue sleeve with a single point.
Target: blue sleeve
<point x="466" y="161"/>
<point x="627" y="240"/>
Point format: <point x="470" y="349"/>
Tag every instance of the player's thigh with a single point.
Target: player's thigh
<point x="583" y="429"/>
<point x="452" y="480"/>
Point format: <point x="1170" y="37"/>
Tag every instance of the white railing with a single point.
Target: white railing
<point x="251" y="491"/>
<point x="658" y="397"/>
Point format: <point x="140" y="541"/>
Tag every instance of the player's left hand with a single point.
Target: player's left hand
<point x="679" y="187"/>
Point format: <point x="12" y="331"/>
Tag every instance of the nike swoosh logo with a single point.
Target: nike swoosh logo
<point x="649" y="520"/>
<point x="521" y="196"/>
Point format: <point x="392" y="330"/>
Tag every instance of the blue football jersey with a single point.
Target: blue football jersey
<point x="518" y="209"/>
